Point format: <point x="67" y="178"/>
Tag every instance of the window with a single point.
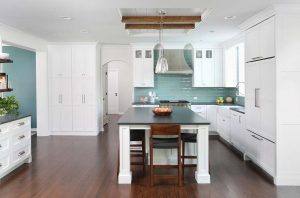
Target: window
<point x="235" y="68"/>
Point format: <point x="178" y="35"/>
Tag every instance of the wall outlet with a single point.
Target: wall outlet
<point x="195" y="98"/>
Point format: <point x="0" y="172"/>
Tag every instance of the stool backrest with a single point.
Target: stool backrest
<point x="165" y="129"/>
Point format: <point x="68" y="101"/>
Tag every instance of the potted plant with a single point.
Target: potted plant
<point x="9" y="105"/>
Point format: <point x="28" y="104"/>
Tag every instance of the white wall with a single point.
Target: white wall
<point x="120" y="57"/>
<point x="27" y="41"/>
<point x="288" y="94"/>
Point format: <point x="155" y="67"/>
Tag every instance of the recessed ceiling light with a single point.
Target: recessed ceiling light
<point x="84" y="31"/>
<point x="212" y="31"/>
<point x="229" y="17"/>
<point x="66" y="18"/>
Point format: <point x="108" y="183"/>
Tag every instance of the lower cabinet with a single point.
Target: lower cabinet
<point x="237" y="130"/>
<point x="261" y="151"/>
<point x="84" y="118"/>
<point x="208" y="112"/>
<point x="61" y="118"/>
<point x="15" y="144"/>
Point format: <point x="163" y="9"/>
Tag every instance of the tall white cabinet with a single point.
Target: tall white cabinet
<point x="74" y="89"/>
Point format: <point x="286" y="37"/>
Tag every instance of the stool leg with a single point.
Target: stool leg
<point x="183" y="156"/>
<point x="179" y="163"/>
<point x="144" y="154"/>
<point x="151" y="162"/>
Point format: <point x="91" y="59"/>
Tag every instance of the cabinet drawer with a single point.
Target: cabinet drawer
<point x="19" y="124"/>
<point x="21" y="137"/>
<point x="4" y="162"/>
<point x="20" y="154"/>
<point x="4" y="144"/>
<point x="197" y="108"/>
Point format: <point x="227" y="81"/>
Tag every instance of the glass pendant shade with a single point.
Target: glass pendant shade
<point x="161" y="65"/>
<point x="188" y="46"/>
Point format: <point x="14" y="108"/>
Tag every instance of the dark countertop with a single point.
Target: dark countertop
<point x="213" y="103"/>
<point x="145" y="116"/>
<point x="239" y="109"/>
<point x="145" y="103"/>
<point x="10" y="118"/>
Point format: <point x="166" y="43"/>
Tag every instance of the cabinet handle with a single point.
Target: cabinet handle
<point x="239" y="119"/>
<point x="61" y="99"/>
<point x="21" y="137"/>
<point x="256" y="58"/>
<point x="0" y="146"/>
<point x="84" y="98"/>
<point x="260" y="139"/>
<point x="21" y="123"/>
<point x="256" y="99"/>
<point x="0" y="165"/>
<point x="21" y="153"/>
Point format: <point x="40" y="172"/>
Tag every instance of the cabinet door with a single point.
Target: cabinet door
<point x="61" y="93"/>
<point x="267" y="99"/>
<point x="59" y="59"/>
<point x="198" y="61"/>
<point x="252" y="49"/>
<point x="268" y="156"/>
<point x="138" y="73"/>
<point x="61" y="118"/>
<point x="148" y="69"/>
<point x="208" y="77"/>
<point x="85" y="118"/>
<point x="218" y="68"/>
<point x="253" y="146"/>
<point x="267" y="38"/>
<point x="234" y="129"/>
<point x="83" y="61"/>
<point x="211" y="115"/>
<point x="83" y="91"/>
<point x="252" y="91"/>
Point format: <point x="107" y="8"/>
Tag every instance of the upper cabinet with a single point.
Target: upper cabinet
<point x="143" y="67"/>
<point x="207" y="68"/>
<point x="60" y="59"/>
<point x="260" y="41"/>
<point x="81" y="57"/>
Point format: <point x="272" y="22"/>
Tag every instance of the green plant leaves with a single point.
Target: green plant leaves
<point x="9" y="105"/>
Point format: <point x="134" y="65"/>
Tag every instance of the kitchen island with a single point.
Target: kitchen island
<point x="15" y="142"/>
<point x="142" y="118"/>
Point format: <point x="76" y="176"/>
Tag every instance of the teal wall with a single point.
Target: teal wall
<point x="22" y="76"/>
<point x="170" y="86"/>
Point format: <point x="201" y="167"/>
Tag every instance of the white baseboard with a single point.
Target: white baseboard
<point x="287" y="181"/>
<point x="75" y="133"/>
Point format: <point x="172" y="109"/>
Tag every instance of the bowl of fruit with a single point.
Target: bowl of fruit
<point x="162" y="111"/>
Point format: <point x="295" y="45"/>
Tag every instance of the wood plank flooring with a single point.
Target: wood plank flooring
<point x="86" y="167"/>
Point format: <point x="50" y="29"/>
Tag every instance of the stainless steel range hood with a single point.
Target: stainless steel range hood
<point x="180" y="61"/>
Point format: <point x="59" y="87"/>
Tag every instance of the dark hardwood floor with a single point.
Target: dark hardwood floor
<point x="86" y="167"/>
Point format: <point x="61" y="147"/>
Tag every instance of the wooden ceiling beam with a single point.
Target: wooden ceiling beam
<point x="157" y="19"/>
<point x="157" y="26"/>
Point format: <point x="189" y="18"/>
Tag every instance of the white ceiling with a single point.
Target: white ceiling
<point x="102" y="20"/>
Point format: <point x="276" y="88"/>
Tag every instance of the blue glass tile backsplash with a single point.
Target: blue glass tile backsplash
<point x="179" y="87"/>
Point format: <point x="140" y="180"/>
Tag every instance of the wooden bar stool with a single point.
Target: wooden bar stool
<point x="137" y="150"/>
<point x="187" y="138"/>
<point x="157" y="142"/>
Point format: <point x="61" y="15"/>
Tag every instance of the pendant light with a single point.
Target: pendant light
<point x="162" y="63"/>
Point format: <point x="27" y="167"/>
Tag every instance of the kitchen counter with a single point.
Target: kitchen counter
<point x="140" y="116"/>
<point x="213" y="103"/>
<point x="239" y="109"/>
<point x="12" y="117"/>
<point x="145" y="103"/>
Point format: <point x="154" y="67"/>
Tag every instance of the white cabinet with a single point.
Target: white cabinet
<point x="74" y="96"/>
<point x="61" y="91"/>
<point x="200" y="110"/>
<point x="81" y="57"/>
<point x="60" y="61"/>
<point x="261" y="151"/>
<point x="143" y="67"/>
<point x="237" y="130"/>
<point x="84" y="118"/>
<point x="260" y="98"/>
<point x="260" y="41"/>
<point x="211" y="116"/>
<point x="61" y="118"/>
<point x="15" y="144"/>
<point x="207" y="68"/>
